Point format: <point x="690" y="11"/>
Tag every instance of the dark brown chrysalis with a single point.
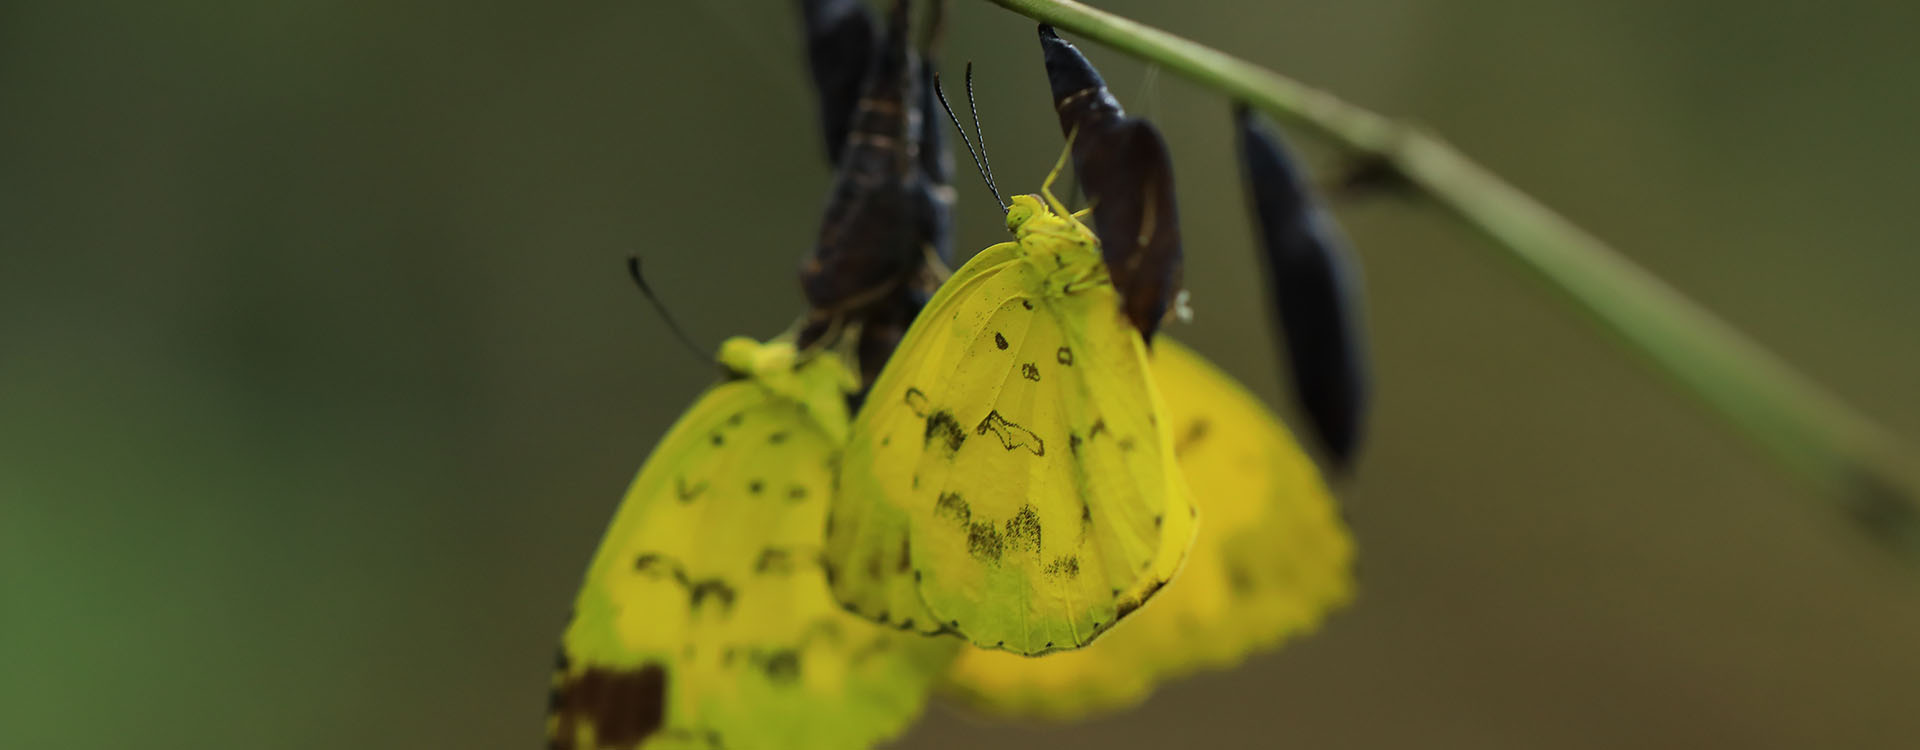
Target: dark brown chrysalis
<point x="888" y="216"/>
<point x="840" y="45"/>
<point x="1123" y="166"/>
<point x="1315" y="286"/>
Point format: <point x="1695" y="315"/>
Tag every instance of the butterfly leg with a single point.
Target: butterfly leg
<point x="1046" y="187"/>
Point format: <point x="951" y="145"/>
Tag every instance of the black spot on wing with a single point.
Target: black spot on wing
<point x="1023" y="529"/>
<point x="1030" y="372"/>
<point x="1026" y="303"/>
<point x="1067" y="566"/>
<point x="1194" y="434"/>
<point x="662" y="566"/>
<point x="999" y="341"/>
<point x="1011" y="435"/>
<point x="944" y="431"/>
<point x="774" y="561"/>
<point x="917" y="401"/>
<point x="782" y="667"/>
<point x="1064" y="356"/>
<point x="796" y="493"/>
<point x="687" y="492"/>
<point x="777" y="438"/>
<point x="755" y="486"/>
<point x="714" y="589"/>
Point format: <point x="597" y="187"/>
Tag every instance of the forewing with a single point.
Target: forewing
<point x="704" y="618"/>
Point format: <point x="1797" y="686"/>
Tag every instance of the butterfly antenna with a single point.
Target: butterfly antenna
<point x="639" y="279"/>
<point x="978" y="165"/>
<point x="980" y="135"/>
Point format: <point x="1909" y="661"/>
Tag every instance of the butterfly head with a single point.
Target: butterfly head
<point x="1030" y="215"/>
<point x="816" y="380"/>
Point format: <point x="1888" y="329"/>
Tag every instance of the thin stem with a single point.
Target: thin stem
<point x="1867" y="471"/>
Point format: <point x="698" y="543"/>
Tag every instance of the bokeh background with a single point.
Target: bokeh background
<point x="320" y="373"/>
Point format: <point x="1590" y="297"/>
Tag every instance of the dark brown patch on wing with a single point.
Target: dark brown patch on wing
<point x="1023" y="529"/>
<point x="984" y="542"/>
<point x="1064" y="356"/>
<point x="1030" y="372"/>
<point x="944" y="431"/>
<point x="952" y="508"/>
<point x="1067" y="566"/>
<point x="623" y="706"/>
<point x="999" y="340"/>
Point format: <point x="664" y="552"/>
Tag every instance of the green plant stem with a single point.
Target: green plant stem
<point x="1845" y="455"/>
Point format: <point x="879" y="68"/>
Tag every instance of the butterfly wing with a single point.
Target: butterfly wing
<point x="1009" y="477"/>
<point x="705" y="618"/>
<point x="1271" y="560"/>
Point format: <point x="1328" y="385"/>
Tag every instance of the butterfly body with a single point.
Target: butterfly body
<point x="1009" y="478"/>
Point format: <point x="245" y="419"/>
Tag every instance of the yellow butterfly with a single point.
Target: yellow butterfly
<point x="1011" y="476"/>
<point x="1271" y="560"/>
<point x="704" y="620"/>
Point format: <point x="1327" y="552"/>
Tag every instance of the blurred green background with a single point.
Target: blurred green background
<point x="320" y="374"/>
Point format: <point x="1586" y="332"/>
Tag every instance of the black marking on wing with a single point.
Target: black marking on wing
<point x="777" y="437"/>
<point x="713" y="588"/>
<point x="686" y="493"/>
<point x="1023" y="529"/>
<point x="917" y="401"/>
<point x="1011" y="435"/>
<point x="1099" y="426"/>
<point x="1030" y="372"/>
<point x="738" y="416"/>
<point x="905" y="562"/>
<point x="775" y="561"/>
<point x="942" y="427"/>
<point x="999" y="341"/>
<point x="1026" y="303"/>
<point x="796" y="493"/>
<point x="1126" y="444"/>
<point x="659" y="565"/>
<point x="1126" y="606"/>
<point x="1065" y="356"/>
<point x="623" y="706"/>
<point x="1067" y="566"/>
<point x="1073" y="443"/>
<point x="984" y="542"/>
<point x="782" y="667"/>
<point x="951" y="507"/>
<point x="717" y="439"/>
<point x="755" y="486"/>
<point x="1195" y="432"/>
